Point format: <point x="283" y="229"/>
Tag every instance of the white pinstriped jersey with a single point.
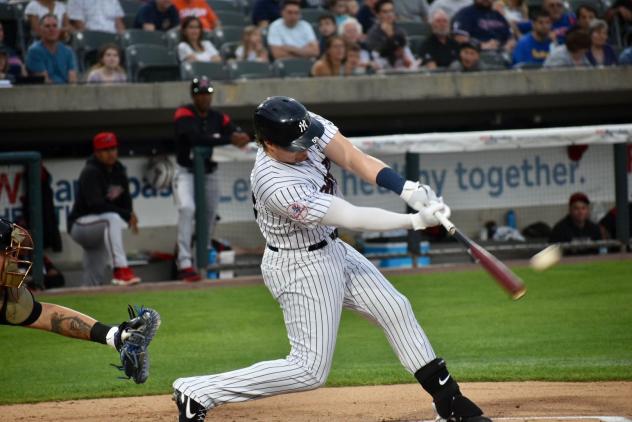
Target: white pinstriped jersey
<point x="290" y="200"/>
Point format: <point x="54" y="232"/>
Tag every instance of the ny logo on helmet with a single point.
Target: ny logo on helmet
<point x="302" y="125"/>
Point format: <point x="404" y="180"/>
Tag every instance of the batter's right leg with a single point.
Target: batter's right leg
<point x="310" y="294"/>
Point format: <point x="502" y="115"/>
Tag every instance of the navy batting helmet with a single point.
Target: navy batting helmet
<point x="286" y="122"/>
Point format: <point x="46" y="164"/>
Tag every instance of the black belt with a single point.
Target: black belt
<point x="316" y="246"/>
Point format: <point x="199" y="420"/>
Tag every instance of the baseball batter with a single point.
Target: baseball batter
<point x="313" y="274"/>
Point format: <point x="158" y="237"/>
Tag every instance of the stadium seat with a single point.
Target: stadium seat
<point x="293" y="68"/>
<point x="225" y="6"/>
<point x="493" y="60"/>
<point x="312" y="15"/>
<point x="229" y="18"/>
<point x="250" y="70"/>
<point x="11" y="16"/>
<point x="151" y="63"/>
<point x="227" y="51"/>
<point x="415" y="42"/>
<point x="526" y="66"/>
<point x="415" y="28"/>
<point x="227" y="34"/>
<point x="86" y="45"/>
<point x="213" y="71"/>
<point x="131" y="7"/>
<point x="138" y="36"/>
<point x="128" y="21"/>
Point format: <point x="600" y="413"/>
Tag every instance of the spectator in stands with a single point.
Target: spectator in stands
<point x="485" y="24"/>
<point x="353" y="7"/>
<point x="16" y="67"/>
<point x="440" y="49"/>
<point x="411" y="10"/>
<point x="37" y="9"/>
<point x="264" y="12"/>
<point x="192" y="47"/>
<point x="102" y="209"/>
<point x="326" y="29"/>
<point x="331" y="63"/>
<point x="572" y="53"/>
<point x="49" y="57"/>
<point x="290" y="36"/>
<point x="620" y="11"/>
<point x="585" y="15"/>
<point x="516" y="13"/>
<point x="201" y="10"/>
<point x="366" y="15"/>
<point x="625" y="58"/>
<point x="354" y="65"/>
<point x="469" y="58"/>
<point x="451" y="7"/>
<point x="251" y="47"/>
<point x="600" y="53"/>
<point x="576" y="226"/>
<point x="101" y="15"/>
<point x="608" y="224"/>
<point x="4" y="66"/>
<point x="385" y="29"/>
<point x="562" y="20"/>
<point x="338" y="8"/>
<point x="351" y="32"/>
<point x="108" y="69"/>
<point x="534" y="47"/>
<point x="157" y="15"/>
<point x="396" y="55"/>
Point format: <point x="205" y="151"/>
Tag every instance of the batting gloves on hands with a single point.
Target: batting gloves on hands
<point x="426" y="216"/>
<point x="417" y="195"/>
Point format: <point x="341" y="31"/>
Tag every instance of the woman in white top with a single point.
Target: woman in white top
<point x="108" y="69"/>
<point x="252" y="48"/>
<point x="36" y="9"/>
<point x="193" y="48"/>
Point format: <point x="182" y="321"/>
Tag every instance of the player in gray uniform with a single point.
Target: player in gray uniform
<point x="313" y="274"/>
<point x="18" y="307"/>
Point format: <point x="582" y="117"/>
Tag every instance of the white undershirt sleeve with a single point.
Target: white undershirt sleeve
<point x="343" y="214"/>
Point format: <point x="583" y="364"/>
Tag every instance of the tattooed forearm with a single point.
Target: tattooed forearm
<point x="71" y="326"/>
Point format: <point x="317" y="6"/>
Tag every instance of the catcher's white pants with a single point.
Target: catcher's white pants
<point x="183" y="193"/>
<point x="312" y="288"/>
<point x="101" y="237"/>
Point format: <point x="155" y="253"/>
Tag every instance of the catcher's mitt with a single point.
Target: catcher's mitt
<point x="132" y="340"/>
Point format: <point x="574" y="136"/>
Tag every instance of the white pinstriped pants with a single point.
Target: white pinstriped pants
<point x="312" y="288"/>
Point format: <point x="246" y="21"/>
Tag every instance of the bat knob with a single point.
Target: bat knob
<point x="517" y="295"/>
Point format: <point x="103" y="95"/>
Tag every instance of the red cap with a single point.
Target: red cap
<point x="104" y="140"/>
<point x="578" y="196"/>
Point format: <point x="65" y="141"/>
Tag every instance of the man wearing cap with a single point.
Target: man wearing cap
<point x="102" y="209"/>
<point x="197" y="124"/>
<point x="576" y="226"/>
<point x="469" y="58"/>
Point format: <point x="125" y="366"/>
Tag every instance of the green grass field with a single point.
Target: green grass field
<point x="574" y="324"/>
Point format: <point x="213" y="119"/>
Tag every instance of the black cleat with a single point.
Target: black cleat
<point x="462" y="409"/>
<point x="189" y="409"/>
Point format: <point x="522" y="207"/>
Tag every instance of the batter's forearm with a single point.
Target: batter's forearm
<point x="343" y="214"/>
<point x="64" y="321"/>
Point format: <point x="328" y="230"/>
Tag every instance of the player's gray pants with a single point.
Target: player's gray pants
<point x="312" y="288"/>
<point x="101" y="237"/>
<point x="183" y="193"/>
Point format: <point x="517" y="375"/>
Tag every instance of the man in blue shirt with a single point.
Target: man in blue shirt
<point x="534" y="47"/>
<point x="50" y="58"/>
<point x="484" y="24"/>
<point x="157" y="15"/>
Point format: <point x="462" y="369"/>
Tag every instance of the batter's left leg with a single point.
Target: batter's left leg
<point x="370" y="293"/>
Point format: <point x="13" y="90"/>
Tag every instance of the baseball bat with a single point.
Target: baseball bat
<point x="499" y="271"/>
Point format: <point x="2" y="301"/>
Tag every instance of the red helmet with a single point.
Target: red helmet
<point x="16" y="247"/>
